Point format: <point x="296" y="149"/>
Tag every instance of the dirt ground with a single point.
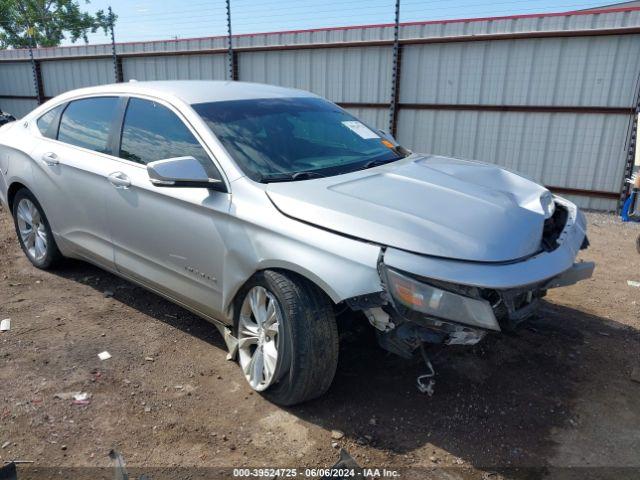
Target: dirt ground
<point x="557" y="393"/>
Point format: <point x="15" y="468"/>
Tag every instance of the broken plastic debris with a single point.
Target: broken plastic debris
<point x="104" y="355"/>
<point x="5" y="325"/>
<point x="633" y="283"/>
<point x="66" y="395"/>
<point x="79" y="398"/>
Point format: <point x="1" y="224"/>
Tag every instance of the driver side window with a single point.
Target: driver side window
<point x="151" y="132"/>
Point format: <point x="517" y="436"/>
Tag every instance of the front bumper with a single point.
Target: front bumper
<point x="512" y="289"/>
<point x="402" y="330"/>
<point x="537" y="269"/>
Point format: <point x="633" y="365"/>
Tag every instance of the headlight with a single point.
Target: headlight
<point x="440" y="303"/>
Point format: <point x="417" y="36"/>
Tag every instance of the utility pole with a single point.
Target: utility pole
<point x="230" y="58"/>
<point x="117" y="70"/>
<point x="631" y="155"/>
<point x="35" y="68"/>
<point x="395" y="74"/>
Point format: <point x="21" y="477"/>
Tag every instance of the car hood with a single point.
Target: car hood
<point x="429" y="205"/>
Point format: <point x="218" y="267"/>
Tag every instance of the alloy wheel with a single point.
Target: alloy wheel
<point x="259" y="326"/>
<point x="32" y="230"/>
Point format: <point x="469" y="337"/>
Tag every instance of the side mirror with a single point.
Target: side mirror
<point x="181" y="172"/>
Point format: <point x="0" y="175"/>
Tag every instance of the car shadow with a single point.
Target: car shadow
<point x="140" y="299"/>
<point x="495" y="405"/>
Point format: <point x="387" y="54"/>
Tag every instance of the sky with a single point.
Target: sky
<point x="144" y="20"/>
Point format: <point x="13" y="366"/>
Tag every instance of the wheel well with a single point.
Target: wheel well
<point x="11" y="193"/>
<point x="285" y="271"/>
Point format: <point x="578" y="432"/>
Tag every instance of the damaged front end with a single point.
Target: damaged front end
<point x="442" y="301"/>
<point x="413" y="311"/>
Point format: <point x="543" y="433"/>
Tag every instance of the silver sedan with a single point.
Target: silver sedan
<point x="267" y="210"/>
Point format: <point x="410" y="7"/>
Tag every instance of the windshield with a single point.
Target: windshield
<point x="284" y="139"/>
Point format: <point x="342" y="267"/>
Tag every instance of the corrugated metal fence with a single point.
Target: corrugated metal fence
<point x="550" y="96"/>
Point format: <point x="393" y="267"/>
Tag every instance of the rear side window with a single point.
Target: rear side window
<point x="153" y="132"/>
<point x="86" y="123"/>
<point x="48" y="123"/>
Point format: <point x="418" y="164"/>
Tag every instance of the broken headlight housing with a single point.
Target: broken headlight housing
<point x="430" y="300"/>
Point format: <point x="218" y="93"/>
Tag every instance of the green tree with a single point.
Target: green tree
<point x="45" y="23"/>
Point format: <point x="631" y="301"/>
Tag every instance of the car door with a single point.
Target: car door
<point x="72" y="163"/>
<point x="167" y="238"/>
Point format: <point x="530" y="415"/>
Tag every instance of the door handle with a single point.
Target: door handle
<point x="50" y="159"/>
<point x="119" y="180"/>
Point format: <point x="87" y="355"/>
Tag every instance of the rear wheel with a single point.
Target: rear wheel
<point x="287" y="337"/>
<point x="34" y="232"/>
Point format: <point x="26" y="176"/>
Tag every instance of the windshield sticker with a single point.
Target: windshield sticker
<point x="360" y="129"/>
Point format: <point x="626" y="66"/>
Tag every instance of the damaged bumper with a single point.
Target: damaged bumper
<point x="439" y="300"/>
<point x="539" y="268"/>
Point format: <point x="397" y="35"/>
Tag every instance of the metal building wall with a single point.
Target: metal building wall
<point x="549" y="95"/>
<point x="17" y="107"/>
<point x="578" y="71"/>
<point x="64" y="75"/>
<point x="570" y="150"/>
<point x="556" y="148"/>
<point x="16" y="80"/>
<point x="443" y="30"/>
<point x="183" y="67"/>
<point x="343" y="75"/>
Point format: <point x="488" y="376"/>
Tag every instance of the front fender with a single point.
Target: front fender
<point x="259" y="237"/>
<point x="16" y="170"/>
<point x="16" y="165"/>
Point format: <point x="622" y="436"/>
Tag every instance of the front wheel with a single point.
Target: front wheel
<point x="287" y="337"/>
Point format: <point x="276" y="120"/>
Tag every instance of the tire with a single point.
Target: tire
<point x="306" y="340"/>
<point x="638" y="244"/>
<point x="44" y="254"/>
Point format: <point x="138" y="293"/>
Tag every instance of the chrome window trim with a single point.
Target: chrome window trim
<point x="153" y="98"/>
<point x="186" y="122"/>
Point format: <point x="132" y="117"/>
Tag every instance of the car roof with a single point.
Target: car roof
<point x="196" y="91"/>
